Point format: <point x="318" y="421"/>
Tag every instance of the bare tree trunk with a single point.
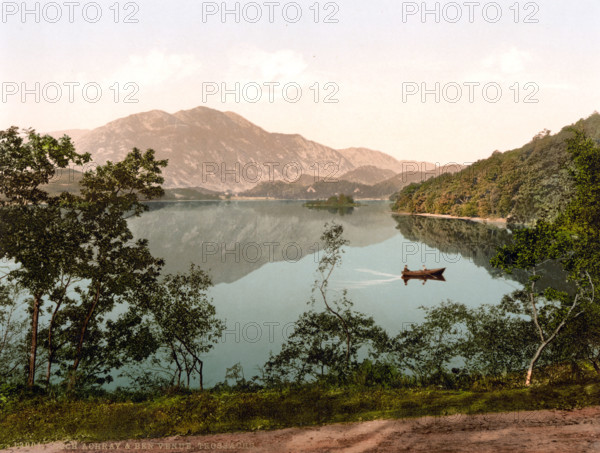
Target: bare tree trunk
<point x="595" y="365"/>
<point x="51" y="349"/>
<point x="535" y="358"/>
<point x="82" y="337"/>
<point x="34" y="338"/>
<point x="545" y="342"/>
<point x="174" y="357"/>
<point x="201" y="373"/>
<point x="337" y="315"/>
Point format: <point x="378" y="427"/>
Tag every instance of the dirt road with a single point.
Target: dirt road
<point x="531" y="432"/>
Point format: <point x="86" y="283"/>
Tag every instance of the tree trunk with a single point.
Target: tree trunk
<point x="34" y="339"/>
<point x="535" y="358"/>
<point x="337" y="315"/>
<point x="595" y="365"/>
<point x="201" y="375"/>
<point x="82" y="337"/>
<point x="51" y="349"/>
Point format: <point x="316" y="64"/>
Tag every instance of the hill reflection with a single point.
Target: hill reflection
<point x="233" y="239"/>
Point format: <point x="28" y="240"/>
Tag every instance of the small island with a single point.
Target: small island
<point x="336" y="202"/>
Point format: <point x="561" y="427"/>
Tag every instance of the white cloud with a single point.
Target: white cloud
<point x="258" y="65"/>
<point x="155" y="68"/>
<point x="511" y="62"/>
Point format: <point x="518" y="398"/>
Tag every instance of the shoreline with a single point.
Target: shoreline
<point x="255" y="199"/>
<point x="488" y="221"/>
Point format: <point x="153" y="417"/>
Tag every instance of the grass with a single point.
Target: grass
<point x="39" y="419"/>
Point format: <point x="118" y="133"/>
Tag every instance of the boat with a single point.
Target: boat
<point x="424" y="273"/>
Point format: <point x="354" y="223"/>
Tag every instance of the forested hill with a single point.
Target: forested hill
<point x="522" y="185"/>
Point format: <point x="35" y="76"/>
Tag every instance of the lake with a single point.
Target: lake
<point x="263" y="255"/>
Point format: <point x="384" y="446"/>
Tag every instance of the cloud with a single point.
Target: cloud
<point x="155" y="68"/>
<point x="511" y="62"/>
<point x="254" y="64"/>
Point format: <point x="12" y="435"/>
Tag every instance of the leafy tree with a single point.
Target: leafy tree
<point x="332" y="257"/>
<point x="29" y="161"/>
<point x="573" y="240"/>
<point x="315" y="348"/>
<point x="186" y="322"/>
<point x="116" y="267"/>
<point x="326" y="342"/>
<point x="30" y="220"/>
<point x="11" y="332"/>
<point x="488" y="340"/>
<point x="74" y="252"/>
<point x="549" y="309"/>
<point x="427" y="348"/>
<point x="499" y="341"/>
<point x="581" y="218"/>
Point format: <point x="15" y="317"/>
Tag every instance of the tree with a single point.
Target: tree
<point x="11" y="332"/>
<point x="186" y="322"/>
<point x="28" y="216"/>
<point x="315" y="348"/>
<point x="74" y="251"/>
<point x="550" y="310"/>
<point x="499" y="339"/>
<point x="427" y="348"/>
<point x="332" y="258"/>
<point x="116" y="267"/>
<point x="28" y="161"/>
<point x="581" y="218"/>
<point x="573" y="240"/>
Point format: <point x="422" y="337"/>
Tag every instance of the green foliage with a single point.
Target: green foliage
<point x="456" y="345"/>
<point x="316" y="349"/>
<point x="531" y="247"/>
<point x="572" y="239"/>
<point x="334" y="201"/>
<point x="74" y="253"/>
<point x="185" y="322"/>
<point x="525" y="184"/>
<point x="12" y="328"/>
<point x="29" y="160"/>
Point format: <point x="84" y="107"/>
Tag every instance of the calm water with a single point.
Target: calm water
<point x="262" y="256"/>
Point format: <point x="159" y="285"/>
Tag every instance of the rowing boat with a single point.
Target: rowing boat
<point x="424" y="273"/>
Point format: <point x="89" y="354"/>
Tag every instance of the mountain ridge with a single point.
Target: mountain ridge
<point x="222" y="151"/>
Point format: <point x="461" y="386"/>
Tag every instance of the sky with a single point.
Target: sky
<point x="436" y="81"/>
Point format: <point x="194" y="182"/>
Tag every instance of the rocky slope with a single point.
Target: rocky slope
<point x="221" y="151"/>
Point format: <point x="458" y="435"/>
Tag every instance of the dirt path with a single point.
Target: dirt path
<point x="533" y="432"/>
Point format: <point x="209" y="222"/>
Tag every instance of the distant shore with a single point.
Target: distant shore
<point x="491" y="221"/>
<point x="253" y="198"/>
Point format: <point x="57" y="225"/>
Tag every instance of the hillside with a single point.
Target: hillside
<point x="307" y="189"/>
<point x="220" y="151"/>
<point x="522" y="184"/>
<point x="368" y="174"/>
<point x="361" y="157"/>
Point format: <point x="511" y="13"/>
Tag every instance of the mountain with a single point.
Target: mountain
<point x="222" y="151"/>
<point x="368" y="174"/>
<point x="309" y="189"/>
<point x="75" y="134"/>
<point x="522" y="185"/>
<point x="313" y="191"/>
<point x="361" y="157"/>
<point x="401" y="180"/>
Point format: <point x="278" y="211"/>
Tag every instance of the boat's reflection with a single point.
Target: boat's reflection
<point x="424" y="278"/>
